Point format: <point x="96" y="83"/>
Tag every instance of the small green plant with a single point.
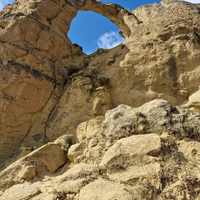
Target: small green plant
<point x="67" y="143"/>
<point x="144" y="191"/>
<point x="100" y="124"/>
<point x="6" y="185"/>
<point x="140" y="22"/>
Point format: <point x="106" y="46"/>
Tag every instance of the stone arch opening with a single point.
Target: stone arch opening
<point x="34" y="46"/>
<point x="92" y="31"/>
<point x="118" y="15"/>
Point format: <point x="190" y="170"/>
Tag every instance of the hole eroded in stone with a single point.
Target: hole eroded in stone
<point x="92" y="31"/>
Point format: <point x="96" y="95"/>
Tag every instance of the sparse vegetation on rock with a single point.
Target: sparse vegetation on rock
<point x="120" y="161"/>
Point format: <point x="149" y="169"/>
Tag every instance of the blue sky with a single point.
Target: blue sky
<point x="92" y="31"/>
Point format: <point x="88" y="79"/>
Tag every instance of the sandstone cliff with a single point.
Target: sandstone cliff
<point x="49" y="87"/>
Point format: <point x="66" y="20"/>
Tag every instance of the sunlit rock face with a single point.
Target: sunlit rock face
<point x="131" y="153"/>
<point x="48" y="85"/>
<point x="35" y="52"/>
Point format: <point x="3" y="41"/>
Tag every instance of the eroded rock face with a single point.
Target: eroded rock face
<point x="33" y="46"/>
<point x="154" y="116"/>
<point x="101" y="189"/>
<point x="29" y="78"/>
<point x="110" y="164"/>
<point x="25" y="92"/>
<point x="86" y="129"/>
<point x="85" y="96"/>
<point x="23" y="191"/>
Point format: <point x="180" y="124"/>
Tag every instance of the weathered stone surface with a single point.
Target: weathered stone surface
<point x="27" y="172"/>
<point x="21" y="192"/>
<point x="75" y="178"/>
<point x="113" y="164"/>
<point x="150" y="172"/>
<point x="45" y="160"/>
<point x="23" y="151"/>
<point x="24" y="93"/>
<point x="194" y="100"/>
<point x="86" y="129"/>
<point x="77" y="102"/>
<point x="104" y="190"/>
<point x="75" y="151"/>
<point x="33" y="44"/>
<point x="51" y="155"/>
<point x="43" y="196"/>
<point x="133" y="150"/>
<point x="180" y="191"/>
<point x="76" y="171"/>
<point x="154" y="116"/>
<point x="164" y="38"/>
<point x="190" y="150"/>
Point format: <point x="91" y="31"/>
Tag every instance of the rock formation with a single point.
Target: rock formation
<point x="50" y="89"/>
<point x="35" y="64"/>
<point x="150" y="152"/>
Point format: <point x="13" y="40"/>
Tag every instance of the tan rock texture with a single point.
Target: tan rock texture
<point x="33" y="46"/>
<point x="86" y="129"/>
<point x="102" y="189"/>
<point x="49" y="86"/>
<point x="109" y="164"/>
<point x="50" y="90"/>
<point x="158" y="60"/>
<point x="21" y="192"/>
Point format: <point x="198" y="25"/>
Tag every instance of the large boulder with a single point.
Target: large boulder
<point x="133" y="150"/>
<point x="45" y="160"/>
<point x="136" y="154"/>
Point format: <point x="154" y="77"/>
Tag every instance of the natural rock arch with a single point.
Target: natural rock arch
<point x="117" y="14"/>
<point x="34" y="51"/>
<point x="44" y="25"/>
<point x="33" y="44"/>
<point x="94" y="36"/>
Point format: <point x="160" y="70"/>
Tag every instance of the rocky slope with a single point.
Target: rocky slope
<point x="52" y="95"/>
<point x="149" y="152"/>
